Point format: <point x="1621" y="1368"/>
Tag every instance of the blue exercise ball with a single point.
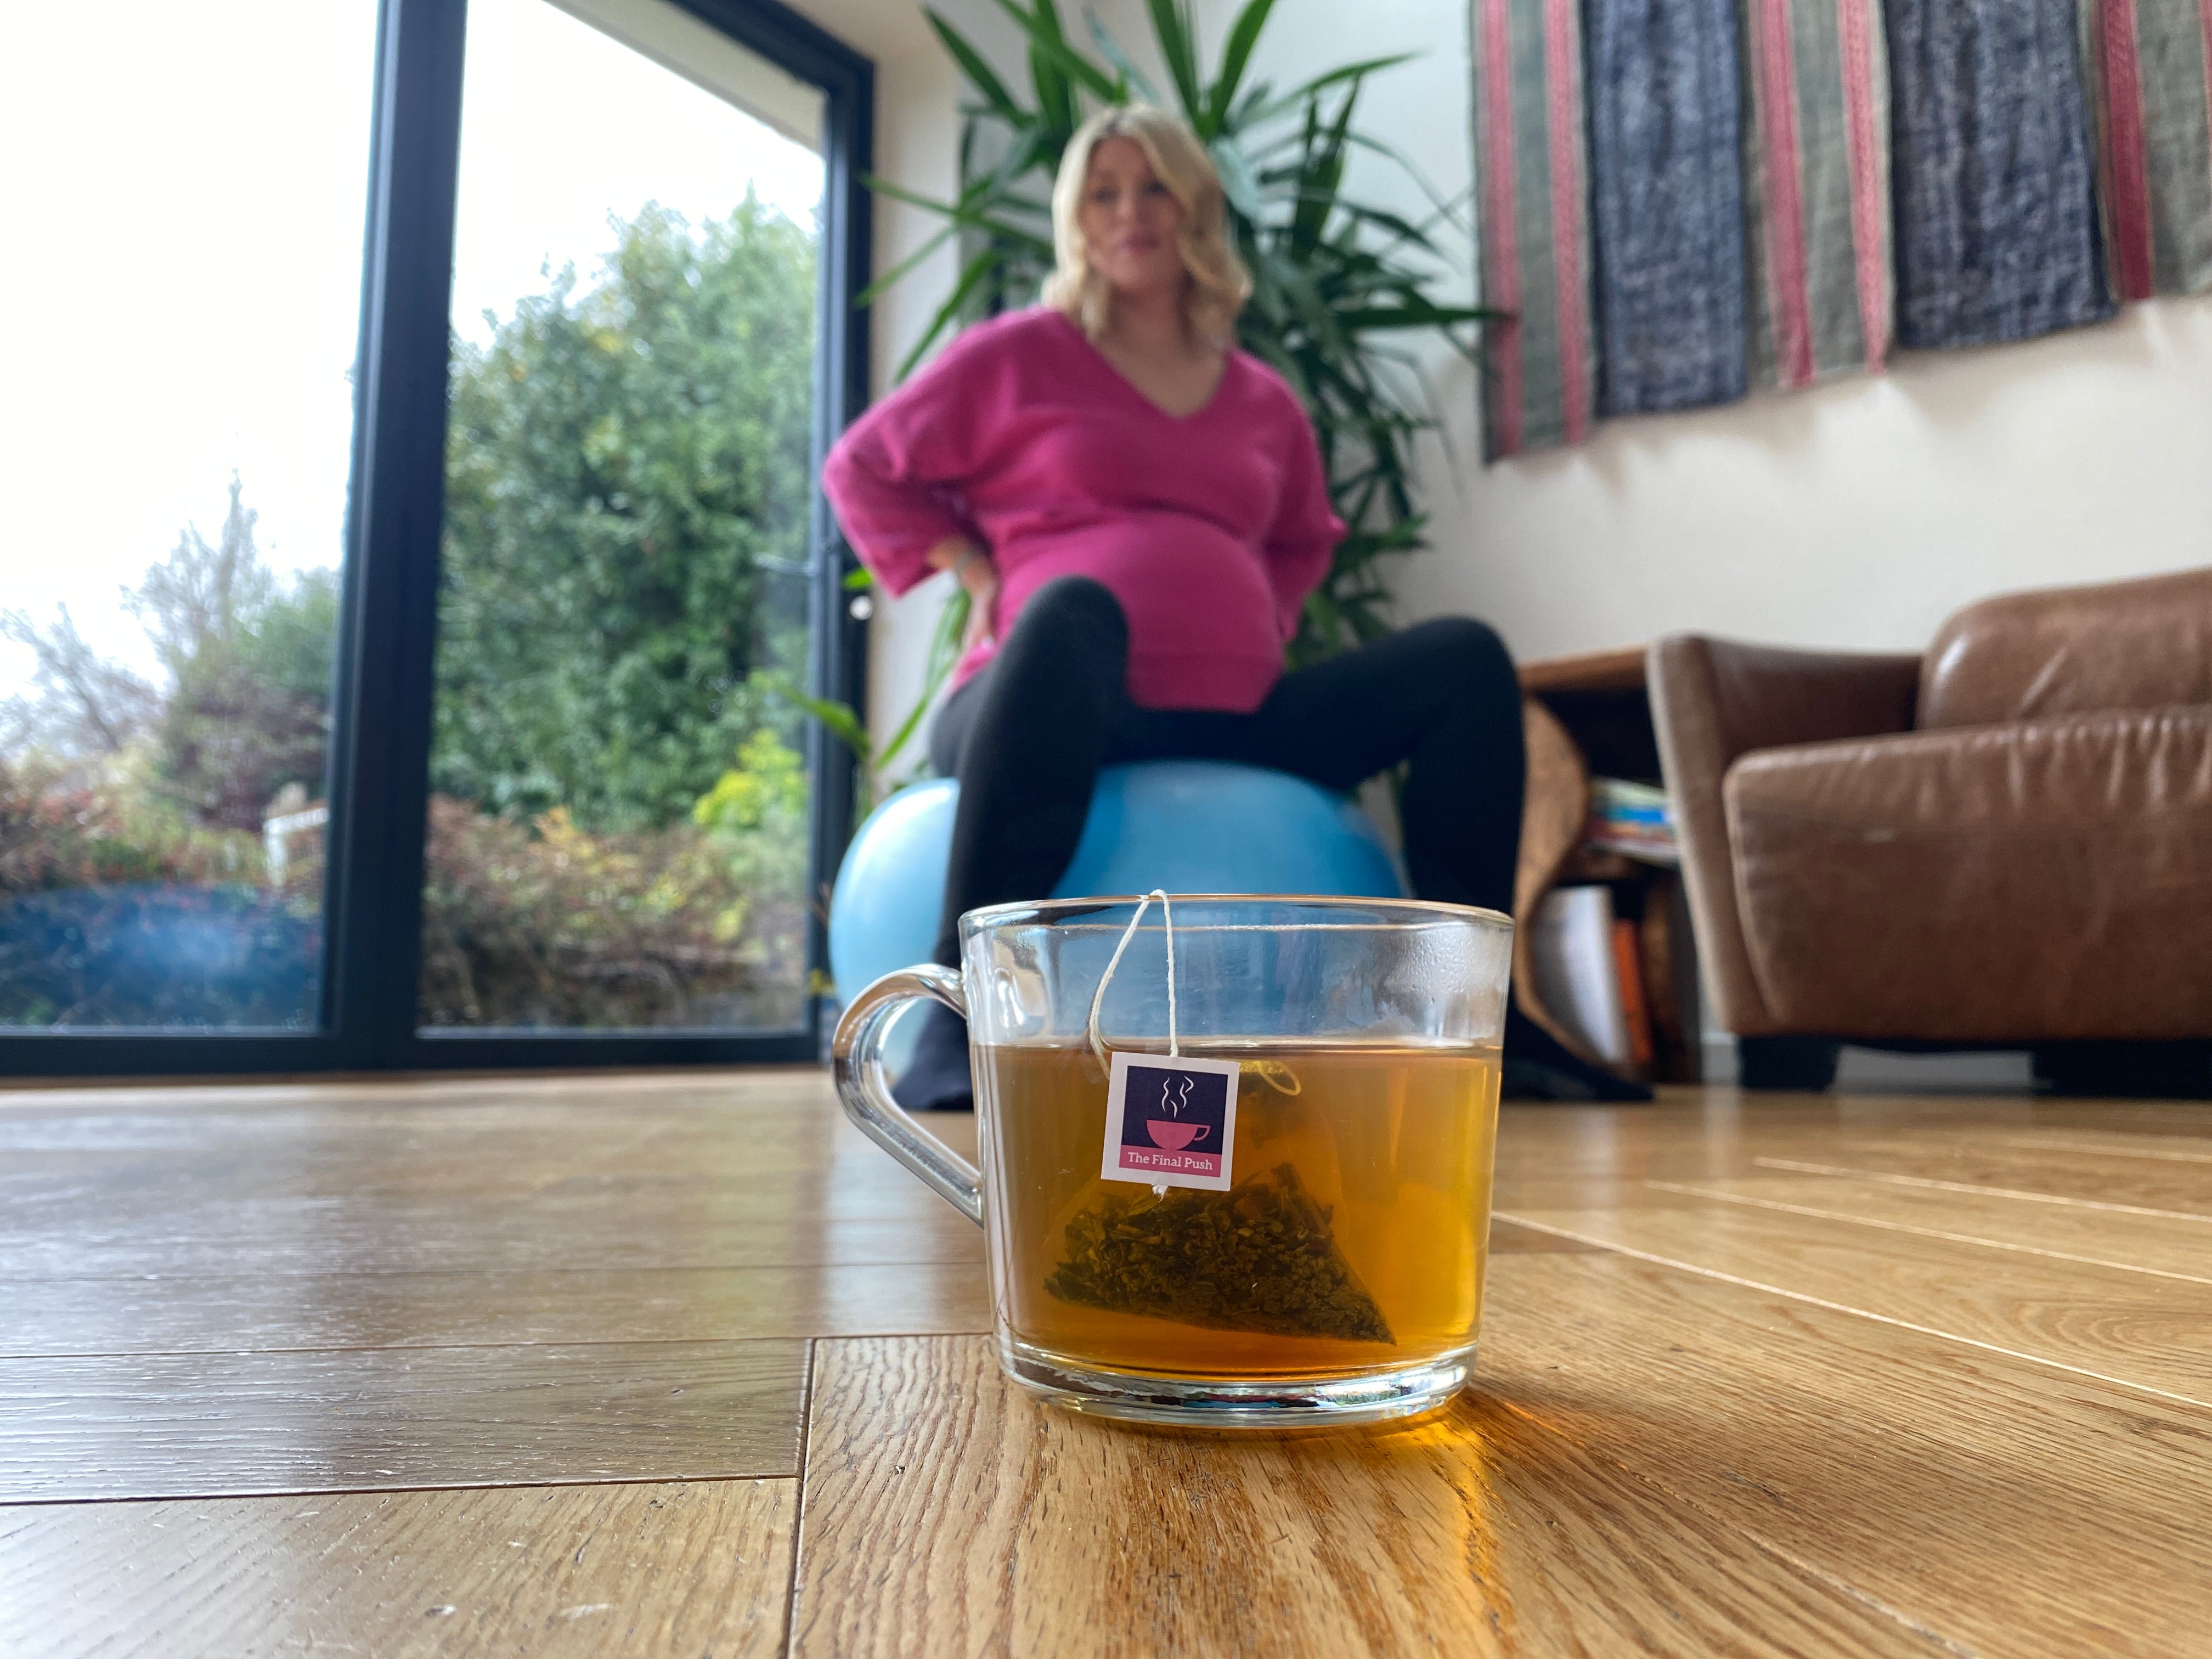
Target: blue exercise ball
<point x="1185" y="826"/>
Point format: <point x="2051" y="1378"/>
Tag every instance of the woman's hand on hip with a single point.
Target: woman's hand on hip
<point x="980" y="577"/>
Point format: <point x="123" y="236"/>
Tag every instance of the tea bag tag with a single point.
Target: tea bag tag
<point x="1170" y="1120"/>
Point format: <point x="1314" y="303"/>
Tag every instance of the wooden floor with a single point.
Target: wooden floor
<point x="680" y="1365"/>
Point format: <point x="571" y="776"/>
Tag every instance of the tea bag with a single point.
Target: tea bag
<point x="1259" y="1257"/>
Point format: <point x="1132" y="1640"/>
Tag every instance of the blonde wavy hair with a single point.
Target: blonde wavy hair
<point x="1218" y="284"/>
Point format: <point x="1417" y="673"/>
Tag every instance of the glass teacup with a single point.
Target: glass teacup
<point x="1255" y="1191"/>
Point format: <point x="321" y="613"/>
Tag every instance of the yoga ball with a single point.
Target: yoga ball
<point x="1186" y="826"/>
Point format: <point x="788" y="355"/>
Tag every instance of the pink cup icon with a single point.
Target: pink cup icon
<point x="1171" y="1136"/>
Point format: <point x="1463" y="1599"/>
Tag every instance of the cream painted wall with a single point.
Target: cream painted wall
<point x="1856" y="515"/>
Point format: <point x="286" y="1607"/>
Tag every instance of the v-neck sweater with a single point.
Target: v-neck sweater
<point x="1210" y="528"/>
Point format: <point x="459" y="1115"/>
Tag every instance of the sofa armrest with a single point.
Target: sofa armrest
<point x="1713" y="701"/>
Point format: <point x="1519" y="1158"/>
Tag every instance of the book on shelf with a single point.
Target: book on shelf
<point x="1635" y="1002"/>
<point x="1570" y="946"/>
<point x="1589" y="974"/>
<point x="1634" y="819"/>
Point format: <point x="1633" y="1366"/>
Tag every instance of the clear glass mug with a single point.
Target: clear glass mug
<point x="1252" y="1189"/>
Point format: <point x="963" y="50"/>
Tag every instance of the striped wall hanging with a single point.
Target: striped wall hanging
<point x="1816" y="189"/>
<point x="1666" y="202"/>
<point x="1679" y="199"/>
<point x="1533" y="183"/>
<point x="2147" y="62"/>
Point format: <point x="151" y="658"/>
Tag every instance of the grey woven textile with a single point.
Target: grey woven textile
<point x="1664" y="84"/>
<point x="1991" y="172"/>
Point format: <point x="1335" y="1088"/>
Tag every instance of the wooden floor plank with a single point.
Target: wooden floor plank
<point x="2155" y="1333"/>
<point x="447" y="1310"/>
<point x="2150" y="1244"/>
<point x="647" y="1572"/>
<point x="140" y="1425"/>
<point x="946" y="1513"/>
<point x="2019" y="1511"/>
<point x="1988" y="1164"/>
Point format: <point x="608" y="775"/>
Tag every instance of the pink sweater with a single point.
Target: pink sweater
<point x="1211" y="530"/>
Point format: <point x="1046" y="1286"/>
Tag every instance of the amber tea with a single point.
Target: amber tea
<point x="1352" y="1237"/>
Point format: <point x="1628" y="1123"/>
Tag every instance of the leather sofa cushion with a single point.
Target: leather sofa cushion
<point x="2137" y="644"/>
<point x="2048" y="879"/>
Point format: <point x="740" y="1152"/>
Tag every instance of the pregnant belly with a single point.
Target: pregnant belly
<point x="1188" y="589"/>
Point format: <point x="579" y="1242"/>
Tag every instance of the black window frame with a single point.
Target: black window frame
<point x="382" y="702"/>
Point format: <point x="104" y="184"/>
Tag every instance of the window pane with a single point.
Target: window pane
<point x="619" y="813"/>
<point x="179" y="422"/>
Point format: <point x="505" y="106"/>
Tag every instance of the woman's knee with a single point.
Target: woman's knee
<point x="1071" y="633"/>
<point x="1468" y="653"/>
<point x="1074" y="606"/>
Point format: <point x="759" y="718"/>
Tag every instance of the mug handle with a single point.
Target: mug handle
<point x="857" y="1062"/>
<point x="1204" y="1130"/>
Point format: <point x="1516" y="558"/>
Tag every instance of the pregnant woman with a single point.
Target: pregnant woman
<point x="1138" y="511"/>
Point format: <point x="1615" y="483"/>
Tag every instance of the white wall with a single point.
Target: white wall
<point x="1856" y="515"/>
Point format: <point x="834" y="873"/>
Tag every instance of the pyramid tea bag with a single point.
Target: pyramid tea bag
<point x="1259" y="1257"/>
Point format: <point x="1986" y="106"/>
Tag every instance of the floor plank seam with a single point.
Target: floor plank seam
<point x="1922" y="1232"/>
<point x="2106" y="1151"/>
<point x="310" y="1276"/>
<point x="1715" y="1273"/>
<point x="257" y="1492"/>
<point x="1930" y="1182"/>
<point x="232" y="1349"/>
<point x="809" y="1370"/>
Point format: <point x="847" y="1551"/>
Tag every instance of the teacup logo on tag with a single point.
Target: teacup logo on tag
<point x="1170" y="1122"/>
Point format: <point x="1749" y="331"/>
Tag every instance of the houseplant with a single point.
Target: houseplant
<point x="1339" y="283"/>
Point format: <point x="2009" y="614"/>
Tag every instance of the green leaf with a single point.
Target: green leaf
<point x="943" y="658"/>
<point x="844" y="724"/>
<point x="969" y="217"/>
<point x="868" y="295"/>
<point x="979" y="72"/>
<point x="1178" y="49"/>
<point x="1046" y="39"/>
<point x="1236" y="181"/>
<point x="971" y="279"/>
<point x="1243" y="35"/>
<point x="1275" y="109"/>
<point x="1112" y="51"/>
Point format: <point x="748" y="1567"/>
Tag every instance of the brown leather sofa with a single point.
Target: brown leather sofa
<point x="2004" y="842"/>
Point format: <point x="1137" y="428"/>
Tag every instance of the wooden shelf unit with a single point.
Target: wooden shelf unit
<point x="1591" y="715"/>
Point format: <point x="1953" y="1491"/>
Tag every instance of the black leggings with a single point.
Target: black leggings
<point x="1027" y="736"/>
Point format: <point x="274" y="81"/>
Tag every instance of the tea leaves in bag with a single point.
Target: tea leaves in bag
<point x="1259" y="1257"/>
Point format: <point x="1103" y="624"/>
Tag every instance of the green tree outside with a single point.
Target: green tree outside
<point x="626" y="513"/>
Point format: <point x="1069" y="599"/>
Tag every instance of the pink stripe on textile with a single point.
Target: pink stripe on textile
<point x="1562" y="109"/>
<point x="1869" y="202"/>
<point x="1774" y="63"/>
<point x="1501" y="238"/>
<point x="2128" y="152"/>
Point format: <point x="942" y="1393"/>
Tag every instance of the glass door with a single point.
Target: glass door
<point x="186" y="200"/>
<point x="619" y="823"/>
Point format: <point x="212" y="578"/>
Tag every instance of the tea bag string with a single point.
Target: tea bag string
<point x="1098" y="997"/>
